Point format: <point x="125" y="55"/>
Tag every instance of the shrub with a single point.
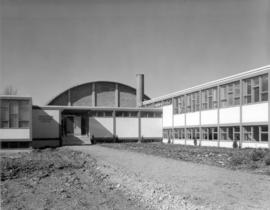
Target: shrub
<point x="237" y="159"/>
<point x="257" y="154"/>
<point x="235" y="144"/>
<point x="267" y="159"/>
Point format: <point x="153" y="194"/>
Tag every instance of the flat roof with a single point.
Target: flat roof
<point x="228" y="79"/>
<point x="14" y="97"/>
<point x="89" y="108"/>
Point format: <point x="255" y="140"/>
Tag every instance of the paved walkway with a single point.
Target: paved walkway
<point x="220" y="187"/>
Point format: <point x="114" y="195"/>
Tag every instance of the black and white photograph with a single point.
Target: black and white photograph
<point x="135" y="104"/>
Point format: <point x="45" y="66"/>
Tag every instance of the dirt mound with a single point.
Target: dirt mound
<point x="58" y="179"/>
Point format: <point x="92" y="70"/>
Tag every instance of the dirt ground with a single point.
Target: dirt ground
<point x="58" y="179"/>
<point x="97" y="177"/>
<point x="165" y="183"/>
<point x="248" y="159"/>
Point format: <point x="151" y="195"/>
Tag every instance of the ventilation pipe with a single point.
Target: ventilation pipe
<point x="140" y="89"/>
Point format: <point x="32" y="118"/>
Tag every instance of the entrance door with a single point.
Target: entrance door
<point x="77" y="126"/>
<point x="70" y="125"/>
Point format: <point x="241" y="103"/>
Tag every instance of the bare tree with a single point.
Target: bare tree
<point x="10" y="90"/>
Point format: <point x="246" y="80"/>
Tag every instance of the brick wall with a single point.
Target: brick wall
<point x="105" y="95"/>
<point x="81" y="95"/>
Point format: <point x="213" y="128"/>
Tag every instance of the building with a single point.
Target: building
<point x="105" y="111"/>
<point x="15" y="121"/>
<point x="216" y="113"/>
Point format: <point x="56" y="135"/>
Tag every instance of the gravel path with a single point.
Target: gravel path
<point x="171" y="184"/>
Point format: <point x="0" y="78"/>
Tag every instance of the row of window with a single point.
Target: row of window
<point x="15" y="113"/>
<point x="125" y="114"/>
<point x="250" y="133"/>
<point x="254" y="90"/>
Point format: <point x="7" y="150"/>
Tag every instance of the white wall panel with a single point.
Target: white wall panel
<point x="255" y="113"/>
<point x="151" y="127"/>
<point x="15" y="133"/>
<point x="255" y="145"/>
<point x="229" y="115"/>
<point x="45" y="123"/>
<point x="190" y="142"/>
<point x="193" y="118"/>
<point x="209" y="143"/>
<point x="101" y="126"/>
<point x="179" y="141"/>
<point x="209" y="117"/>
<point x="179" y="120"/>
<point x="127" y="127"/>
<point x="227" y="144"/>
<point x="167" y="116"/>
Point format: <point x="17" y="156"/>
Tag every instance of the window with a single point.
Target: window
<point x="179" y="107"/>
<point x="148" y="114"/>
<point x="256" y="133"/>
<point x="167" y="133"/>
<point x="167" y="102"/>
<point x="193" y="133"/>
<point x="209" y="98"/>
<point x="193" y="102"/>
<point x="256" y="89"/>
<point x="230" y="94"/>
<point x="210" y="133"/>
<point x="230" y="133"/>
<point x="14" y="113"/>
<point x="158" y="104"/>
<point x="126" y="114"/>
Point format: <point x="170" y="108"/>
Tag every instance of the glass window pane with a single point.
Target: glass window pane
<point x="265" y="83"/>
<point x="256" y="133"/>
<point x="256" y="81"/>
<point x="264" y="96"/>
<point x="264" y="136"/>
<point x="256" y="94"/>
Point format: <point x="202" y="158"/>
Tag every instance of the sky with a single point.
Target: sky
<point x="48" y="46"/>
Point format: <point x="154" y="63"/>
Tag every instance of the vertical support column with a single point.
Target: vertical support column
<point x="200" y="117"/>
<point x="185" y="102"/>
<point x="218" y="107"/>
<point x="139" y="127"/>
<point x="31" y="121"/>
<point x="268" y="108"/>
<point x="69" y="98"/>
<point x="93" y="94"/>
<point x="173" y="106"/>
<point x="60" y="129"/>
<point x="241" y="113"/>
<point x="114" y="126"/>
<point x="116" y="103"/>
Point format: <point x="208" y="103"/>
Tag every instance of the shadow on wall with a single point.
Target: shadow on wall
<point x="101" y="127"/>
<point x="46" y="128"/>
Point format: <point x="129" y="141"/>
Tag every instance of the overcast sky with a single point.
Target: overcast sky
<point x="48" y="46"/>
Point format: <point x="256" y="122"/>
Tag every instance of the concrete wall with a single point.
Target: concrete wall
<point x="127" y="127"/>
<point x="14" y="134"/>
<point x="101" y="127"/>
<point x="151" y="127"/>
<point x="46" y="124"/>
